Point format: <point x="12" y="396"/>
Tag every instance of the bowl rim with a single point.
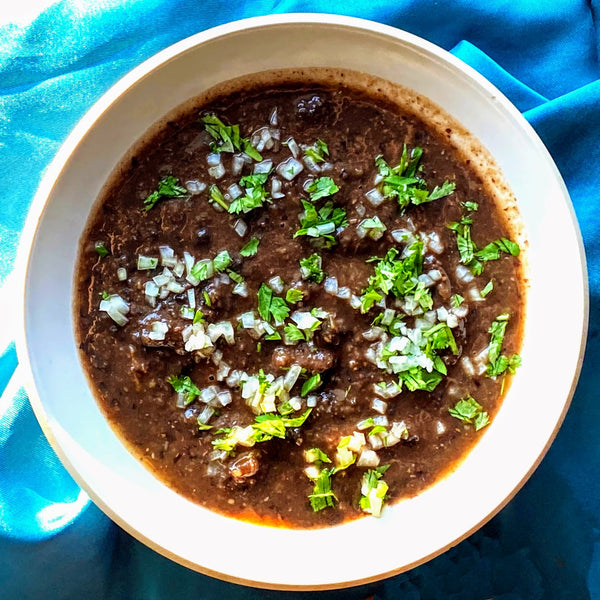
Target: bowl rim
<point x="87" y="121"/>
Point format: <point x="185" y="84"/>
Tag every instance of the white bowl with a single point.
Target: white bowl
<point x="411" y="531"/>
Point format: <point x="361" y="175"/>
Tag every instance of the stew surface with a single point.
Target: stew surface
<point x="299" y="304"/>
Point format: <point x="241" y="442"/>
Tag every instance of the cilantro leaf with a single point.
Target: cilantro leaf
<point x="310" y="268"/>
<point x="373" y="490"/>
<point x="101" y="249"/>
<point x="227" y="137"/>
<point x="251" y="248"/>
<point x="221" y="261"/>
<point x="294" y="295"/>
<point x="322" y="495"/>
<point x="321" y="188"/>
<point x="271" y="305"/>
<point x="318" y="151"/>
<point x="322" y="223"/>
<point x="216" y="196"/>
<point x="168" y="187"/>
<point x="497" y="362"/>
<point x="292" y="333"/>
<point x="312" y="383"/>
<point x="183" y="385"/>
<point x="468" y="410"/>
<point x="256" y="194"/>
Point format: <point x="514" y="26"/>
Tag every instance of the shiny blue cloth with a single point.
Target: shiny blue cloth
<point x="54" y="544"/>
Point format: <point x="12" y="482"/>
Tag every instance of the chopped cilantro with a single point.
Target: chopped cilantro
<point x="216" y="195"/>
<point x="403" y="183"/>
<point x="374" y="227"/>
<point x="469" y="205"/>
<point x="489" y="286"/>
<point x="292" y="333"/>
<point x="318" y="151"/>
<point x="321" y="188"/>
<point x="498" y="363"/>
<point x="227" y="137"/>
<point x="271" y="305"/>
<point x="101" y="249"/>
<point x="373" y="490"/>
<point x="251" y="248"/>
<point x="457" y="300"/>
<point x="398" y="276"/>
<point x="198" y="317"/>
<point x="321" y="223"/>
<point x="322" y="495"/>
<point x="104" y="295"/>
<point x="206" y="297"/>
<point x="183" y="385"/>
<point x="256" y="194"/>
<point x="315" y="455"/>
<point x="168" y="187"/>
<point x="221" y="261"/>
<point x="468" y="410"/>
<point x="294" y="295"/>
<point x="312" y="383"/>
<point x="310" y="268"/>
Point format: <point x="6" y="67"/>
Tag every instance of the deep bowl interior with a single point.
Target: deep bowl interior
<point x="413" y="530"/>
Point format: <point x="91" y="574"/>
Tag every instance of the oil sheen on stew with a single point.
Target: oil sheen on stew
<point x="299" y="304"/>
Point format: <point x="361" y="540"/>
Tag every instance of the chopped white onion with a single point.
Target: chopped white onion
<point x="331" y="285"/>
<point x="311" y="164"/>
<point x="121" y="273"/>
<point x="401" y="235"/>
<point x="213" y="159"/>
<point x="264" y="166"/>
<point x="240" y="289"/>
<point x="344" y="293"/>
<point x="237" y="164"/>
<point x="276" y="284"/>
<point x="222" y="328"/>
<point x="464" y="274"/>
<point x="158" y="330"/>
<point x="368" y="458"/>
<point x="206" y="414"/>
<point x="151" y="289"/>
<point x="379" y="406"/>
<point x="224" y="397"/>
<point x="217" y="172"/>
<point x="375" y="197"/>
<point x="116" y="308"/>
<point x="289" y="169"/>
<point x="291" y="377"/>
<point x="146" y="263"/>
<point x="240" y="227"/>
<point x="234" y="191"/>
<point x="276" y="189"/>
<point x="293" y="146"/>
<point x="273" y="118"/>
<point x="194" y="186"/>
<point x="311" y="401"/>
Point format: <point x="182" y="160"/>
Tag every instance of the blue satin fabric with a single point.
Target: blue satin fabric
<point x="55" y="544"/>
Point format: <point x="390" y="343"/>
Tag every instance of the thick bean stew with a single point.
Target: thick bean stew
<point x="299" y="303"/>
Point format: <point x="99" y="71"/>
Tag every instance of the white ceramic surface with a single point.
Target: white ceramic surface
<point x="412" y="531"/>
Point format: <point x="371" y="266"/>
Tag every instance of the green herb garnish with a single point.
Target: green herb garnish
<point x="227" y="137"/>
<point x="221" y="261"/>
<point x="310" y="268"/>
<point x="318" y="151"/>
<point x="183" y="385"/>
<point x="468" y="410"/>
<point x="498" y="363"/>
<point x="312" y="383"/>
<point x="322" y="495"/>
<point x="256" y="194"/>
<point x="101" y="249"/>
<point x="168" y="187"/>
<point x="321" y="188"/>
<point x="321" y="223"/>
<point x="270" y="305"/>
<point x="373" y="490"/>
<point x="251" y="248"/>
<point x="294" y="295"/>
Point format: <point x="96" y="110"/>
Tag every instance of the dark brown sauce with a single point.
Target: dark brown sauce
<point x="129" y="372"/>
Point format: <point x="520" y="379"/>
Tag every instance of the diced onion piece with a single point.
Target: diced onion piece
<point x="355" y="302"/>
<point x="264" y="166"/>
<point x="191" y="294"/>
<point x="240" y="227"/>
<point x="234" y="191"/>
<point x="311" y="164"/>
<point x="331" y="285"/>
<point x="273" y="118"/>
<point x="435" y="274"/>
<point x="162" y="279"/>
<point x="467" y="366"/>
<point x="179" y="268"/>
<point x="116" y="308"/>
<point x="175" y="287"/>
<point x="401" y="235"/>
<point x="217" y="172"/>
<point x="206" y="414"/>
<point x="240" y="289"/>
<point x="434" y="243"/>
<point x="276" y="284"/>
<point x="146" y="263"/>
<point x="303" y="319"/>
<point x="187" y="313"/>
<point x="213" y="159"/>
<point x="151" y="289"/>
<point x="295" y="402"/>
<point x="293" y="146"/>
<point x="289" y="169"/>
<point x="475" y="295"/>
<point x="464" y="274"/>
<point x="276" y="189"/>
<point x="237" y="164"/>
<point x="224" y="397"/>
<point x="452" y="320"/>
<point x="376" y="441"/>
<point x="208" y="394"/>
<point x="221" y="329"/>
<point x="311" y="401"/>
<point x="344" y="293"/>
<point x="158" y="331"/>
<point x="121" y="273"/>
<point x="375" y="197"/>
<point x="442" y="314"/>
<point x="379" y="406"/>
<point x="377" y="179"/>
<point x="291" y="377"/>
<point x="368" y="458"/>
<point x="234" y="378"/>
<point x="195" y="187"/>
<point x="247" y="320"/>
<point x="425" y="279"/>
